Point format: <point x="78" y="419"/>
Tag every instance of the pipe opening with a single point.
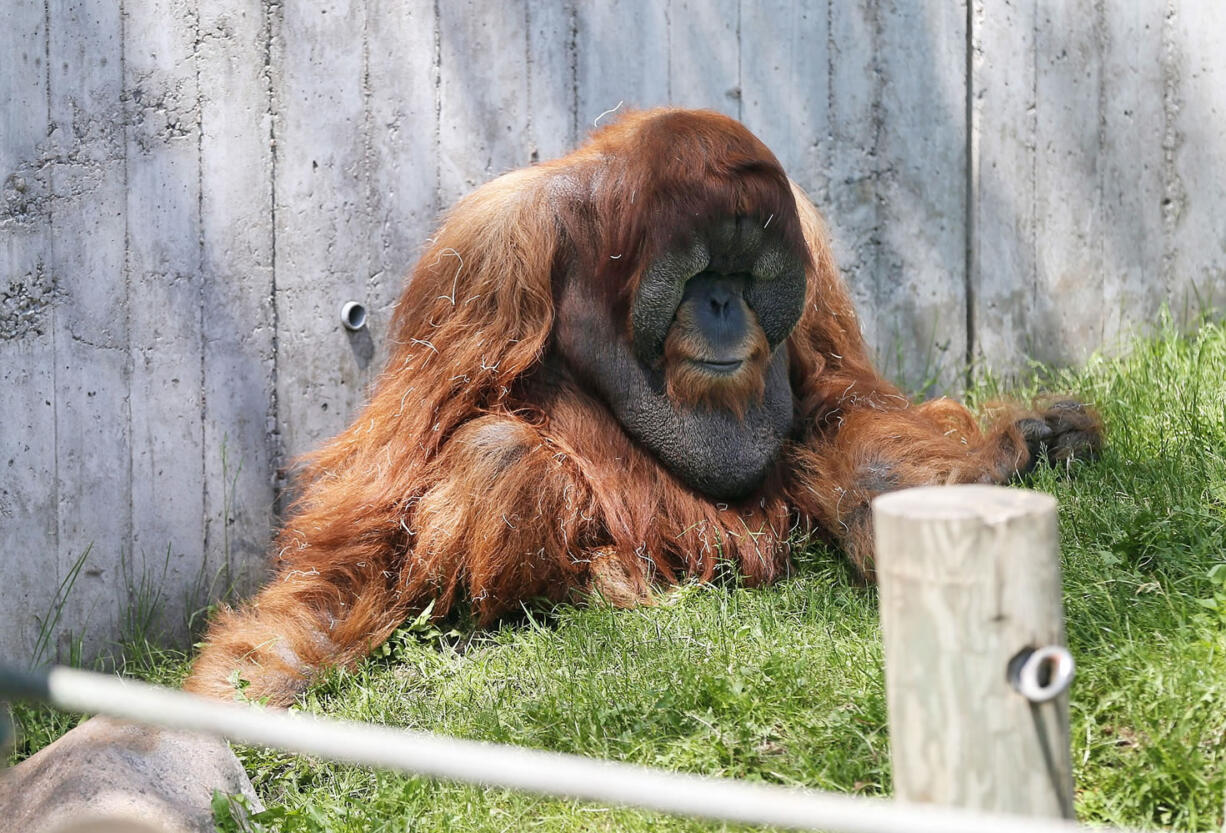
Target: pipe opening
<point x="353" y="316"/>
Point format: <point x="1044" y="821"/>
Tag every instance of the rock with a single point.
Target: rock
<point x="109" y="775"/>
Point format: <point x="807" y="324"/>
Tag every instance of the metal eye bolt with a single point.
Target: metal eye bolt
<point x="1042" y="674"/>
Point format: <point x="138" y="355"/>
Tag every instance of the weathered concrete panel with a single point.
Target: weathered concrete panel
<point x="1194" y="156"/>
<point x="895" y="193"/>
<point x="551" y="57"/>
<point x="785" y="86"/>
<point x="1098" y="178"/>
<point x="1090" y="125"/>
<point x="483" y="93"/>
<point x="322" y="215"/>
<point x="850" y="153"/>
<point x="920" y="300"/>
<point x="241" y="436"/>
<point x="403" y="96"/>
<point x="28" y="292"/>
<point x="93" y="364"/>
<point x="1002" y="179"/>
<point x="704" y="54"/>
<point x="1065" y="317"/>
<point x="165" y="341"/>
<point x="1130" y="172"/>
<point x="621" y="57"/>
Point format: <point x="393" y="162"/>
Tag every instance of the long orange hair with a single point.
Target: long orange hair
<point x="481" y="469"/>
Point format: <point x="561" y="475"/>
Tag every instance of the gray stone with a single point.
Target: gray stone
<point x="109" y="775"/>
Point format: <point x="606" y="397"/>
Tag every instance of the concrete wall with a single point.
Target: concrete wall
<point x="192" y="189"/>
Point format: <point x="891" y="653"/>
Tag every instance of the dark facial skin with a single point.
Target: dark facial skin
<point x="720" y="319"/>
<point x="732" y="278"/>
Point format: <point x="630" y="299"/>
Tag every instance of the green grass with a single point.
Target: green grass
<point x="785" y="684"/>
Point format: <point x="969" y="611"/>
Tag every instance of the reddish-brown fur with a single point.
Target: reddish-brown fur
<point x="481" y="470"/>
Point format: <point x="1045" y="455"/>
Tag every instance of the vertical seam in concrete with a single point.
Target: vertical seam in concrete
<point x="202" y="295"/>
<point x="972" y="192"/>
<point x="273" y="419"/>
<point x="374" y="247"/>
<point x="534" y="152"/>
<point x="572" y="49"/>
<point x="1102" y="47"/>
<point x="740" y="56"/>
<point x="668" y="38"/>
<point x="438" y="109"/>
<point x="54" y="324"/>
<point x="127" y="263"/>
<point x="1170" y="142"/>
<point x="877" y="123"/>
<point x="49" y="161"/>
<point x="831" y="113"/>
<point x="1032" y="129"/>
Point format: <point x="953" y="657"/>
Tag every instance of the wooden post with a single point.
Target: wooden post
<point x="970" y="584"/>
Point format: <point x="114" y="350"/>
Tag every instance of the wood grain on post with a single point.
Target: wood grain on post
<point x="970" y="578"/>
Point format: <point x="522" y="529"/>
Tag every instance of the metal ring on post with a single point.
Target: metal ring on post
<point x="353" y="316"/>
<point x="1043" y="674"/>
